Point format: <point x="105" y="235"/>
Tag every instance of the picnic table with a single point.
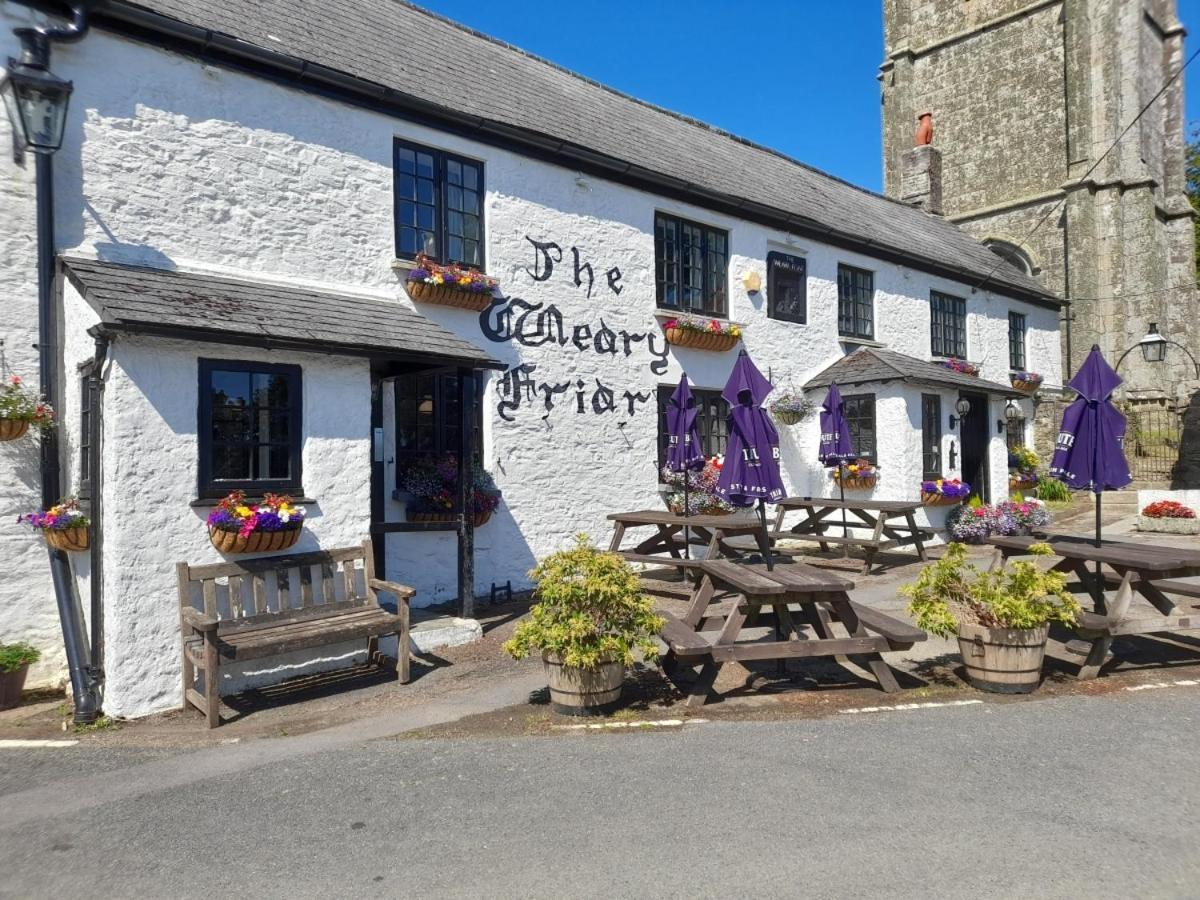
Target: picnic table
<point x="878" y="515"/>
<point x="667" y="545"/>
<point x="1150" y="571"/>
<point x="715" y="631"/>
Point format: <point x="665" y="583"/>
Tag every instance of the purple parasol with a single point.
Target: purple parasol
<point x="683" y="448"/>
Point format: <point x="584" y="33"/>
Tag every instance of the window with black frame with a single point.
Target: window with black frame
<point x="1016" y="341"/>
<point x="711" y="422"/>
<point x="931" y="436"/>
<point x="438" y="205"/>
<point x="856" y="302"/>
<point x="787" y="287"/>
<point x="429" y="418"/>
<point x="1014" y="433"/>
<point x="250" y="430"/>
<point x="860" y="417"/>
<point x="948" y="324"/>
<point x="691" y="266"/>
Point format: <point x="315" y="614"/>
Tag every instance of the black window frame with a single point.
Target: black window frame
<point x="787" y="266"/>
<point x="1014" y="433"/>
<point x="669" y="268"/>
<point x="1018" y="327"/>
<point x="947" y="325"/>
<point x="87" y="408"/>
<point x="858" y="409"/>
<point x="856" y="294"/>
<point x="442" y="162"/>
<point x="445" y="417"/>
<point x="712" y="423"/>
<point x="931" y="436"/>
<point x="209" y="487"/>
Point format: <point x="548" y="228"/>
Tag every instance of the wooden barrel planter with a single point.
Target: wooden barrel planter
<point x="478" y="520"/>
<point x="1025" y="387"/>
<point x="1003" y="660"/>
<point x="583" y="692"/>
<point x="11" y="429"/>
<point x="857" y="484"/>
<point x="701" y="340"/>
<point x="929" y="498"/>
<point x="255" y="541"/>
<point x="67" y="538"/>
<point x="445" y="295"/>
<point x="11" y="685"/>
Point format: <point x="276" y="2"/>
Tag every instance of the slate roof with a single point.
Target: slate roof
<point x="414" y="59"/>
<point x="225" y="310"/>
<point x="874" y="364"/>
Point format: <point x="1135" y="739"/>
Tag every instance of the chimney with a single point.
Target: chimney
<point x="921" y="170"/>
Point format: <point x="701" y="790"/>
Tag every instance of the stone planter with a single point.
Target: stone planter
<point x="478" y="520"/>
<point x="857" y="484"/>
<point x="255" y="542"/>
<point x="701" y="340"/>
<point x="583" y="692"/>
<point x="11" y="685"/>
<point x="11" y="429"/>
<point x="1003" y="660"/>
<point x="75" y="539"/>
<point x="929" y="498"/>
<point x="447" y="295"/>
<point x="1025" y="387"/>
<point x="1165" y="525"/>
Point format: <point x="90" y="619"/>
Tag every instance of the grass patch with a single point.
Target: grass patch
<point x="103" y="723"/>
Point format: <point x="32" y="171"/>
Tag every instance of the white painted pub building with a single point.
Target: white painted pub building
<point x="239" y="196"/>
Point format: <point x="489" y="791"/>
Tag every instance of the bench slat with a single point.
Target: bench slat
<point x="1187" y="587"/>
<point x="742" y="579"/>
<point x="306" y="588"/>
<point x="889" y="627"/>
<point x="682" y="640"/>
<point x="630" y="556"/>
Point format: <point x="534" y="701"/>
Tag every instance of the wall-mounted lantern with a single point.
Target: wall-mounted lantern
<point x="36" y="100"/>
<point x="962" y="407"/>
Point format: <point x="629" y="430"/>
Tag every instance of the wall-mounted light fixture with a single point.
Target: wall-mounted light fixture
<point x="753" y="282"/>
<point x="962" y="407"/>
<point x="36" y="98"/>
<point x="1012" y="413"/>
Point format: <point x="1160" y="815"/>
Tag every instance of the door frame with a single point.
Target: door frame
<point x="980" y="405"/>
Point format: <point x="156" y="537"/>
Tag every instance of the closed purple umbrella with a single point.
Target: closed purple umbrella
<point x="751" y="470"/>
<point x="683" y="444"/>
<point x="836" y="448"/>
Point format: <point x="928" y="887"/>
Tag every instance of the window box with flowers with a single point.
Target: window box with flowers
<point x="64" y="526"/>
<point x="944" y="492"/>
<point x="1168" y="517"/>
<point x="702" y="334"/>
<point x="791" y="408"/>
<point x="860" y="475"/>
<point x="961" y="366"/>
<point x="451" y="285"/>
<point x="241" y="526"/>
<point x="19" y="408"/>
<point x="1025" y="382"/>
<point x="701" y="494"/>
<point x="432" y="485"/>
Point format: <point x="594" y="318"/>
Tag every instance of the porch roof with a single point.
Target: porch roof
<point x="220" y="309"/>
<point x="875" y="364"/>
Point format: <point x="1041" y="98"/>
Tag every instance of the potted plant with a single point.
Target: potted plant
<point x="791" y="408"/>
<point x="20" y="408"/>
<point x="1022" y="468"/>
<point x="860" y="475"/>
<point x="64" y="526"/>
<point x="701" y="334"/>
<point x="450" y="285"/>
<point x="1025" y="382"/>
<point x="590" y="617"/>
<point x="15" y="660"/>
<point x="1021" y="516"/>
<point x="972" y="523"/>
<point x="1001" y="617"/>
<point x="944" y="491"/>
<point x="701" y="493"/>
<point x="433" y="488"/>
<point x="241" y="526"/>
<point x="961" y="366"/>
<point x="1168" y="517"/>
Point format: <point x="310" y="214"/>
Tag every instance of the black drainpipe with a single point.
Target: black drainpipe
<point x="96" y="477"/>
<point x="35" y="45"/>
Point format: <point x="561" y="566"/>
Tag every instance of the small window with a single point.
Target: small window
<point x="711" y="421"/>
<point x="439" y="206"/>
<point x="856" y="302"/>
<point x="1016" y="341"/>
<point x="860" y="417"/>
<point x="948" y="318"/>
<point x="787" y="296"/>
<point x="86" y="394"/>
<point x="1014" y="433"/>
<point x="691" y="265"/>
<point x="931" y="436"/>
<point x="428" y="416"/>
<point x="250" y="430"/>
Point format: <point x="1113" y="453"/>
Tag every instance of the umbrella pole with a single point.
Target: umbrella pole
<point x="845" y="530"/>
<point x="687" y="532"/>
<point x="1099" y="498"/>
<point x="766" y="541"/>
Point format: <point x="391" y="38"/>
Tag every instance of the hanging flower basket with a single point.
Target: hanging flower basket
<point x="237" y="526"/>
<point x="455" y="286"/>
<point x="20" y="408"/>
<point x="478" y="520"/>
<point x="944" y="492"/>
<point x="859" y="475"/>
<point x="1022" y="481"/>
<point x="1026" y="382"/>
<point x="254" y="542"/>
<point x="687" y="331"/>
<point x="790" y="408"/>
<point x="433" y="486"/>
<point x="961" y="366"/>
<point x="11" y="429"/>
<point x="932" y="498"/>
<point x="67" y="538"/>
<point x="64" y="526"/>
<point x="445" y="295"/>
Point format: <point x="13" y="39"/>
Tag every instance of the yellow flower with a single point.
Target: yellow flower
<point x="244" y="512"/>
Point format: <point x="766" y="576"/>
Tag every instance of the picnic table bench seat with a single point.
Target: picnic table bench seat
<point x="246" y="610"/>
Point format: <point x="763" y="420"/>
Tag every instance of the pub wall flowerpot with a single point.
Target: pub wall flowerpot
<point x="255" y="542"/>
<point x="789" y="417"/>
<point x="478" y="520"/>
<point x="856" y="484"/>
<point x="583" y="692"/>
<point x="11" y="429"/>
<point x="11" y="685"/>
<point x="1025" y="387"/>
<point x="445" y="295"/>
<point x="701" y="340"/>
<point x="1164" y="525"/>
<point x="1003" y="660"/>
<point x="74" y="539"/>
<point x="931" y="499"/>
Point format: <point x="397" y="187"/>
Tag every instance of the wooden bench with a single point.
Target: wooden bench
<point x="237" y="611"/>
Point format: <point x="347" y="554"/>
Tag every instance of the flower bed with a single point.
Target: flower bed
<point x="238" y="526"/>
<point x="449" y="285"/>
<point x="1025" y="382"/>
<point x="1168" y="509"/>
<point x="961" y="366"/>
<point x="1168" y="517"/>
<point x="859" y="475"/>
<point x="20" y="408"/>
<point x="791" y="408"/>
<point x="702" y="499"/>
<point x="433" y="486"/>
<point x="64" y="526"/>
<point x="944" y="492"/>
<point x="700" y="334"/>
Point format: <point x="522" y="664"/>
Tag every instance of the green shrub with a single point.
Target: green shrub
<point x="13" y="656"/>
<point x="1053" y="490"/>
<point x="590" y="610"/>
<point x="952" y="592"/>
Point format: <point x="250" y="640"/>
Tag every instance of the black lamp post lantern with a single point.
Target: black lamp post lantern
<point x="1012" y="413"/>
<point x="36" y="100"/>
<point x="962" y="407"/>
<point x="1154" y="349"/>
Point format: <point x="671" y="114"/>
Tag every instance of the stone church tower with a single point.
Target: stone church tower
<point x="1026" y="95"/>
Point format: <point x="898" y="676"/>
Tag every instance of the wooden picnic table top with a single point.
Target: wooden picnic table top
<point x="891" y="506"/>
<point x="1126" y="554"/>
<point x="755" y="580"/>
<point x="666" y="517"/>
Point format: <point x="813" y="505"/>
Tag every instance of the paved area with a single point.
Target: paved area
<point x="1071" y="797"/>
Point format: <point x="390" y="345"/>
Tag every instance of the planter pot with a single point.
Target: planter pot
<point x="478" y="520"/>
<point x="789" y="417"/>
<point x="701" y="340"/>
<point x="67" y="538"/>
<point x="1003" y="660"/>
<point x="583" y="692"/>
<point x="1025" y="387"/>
<point x="11" y="429"/>
<point x="11" y="685"/>
<point x="255" y="542"/>
<point x="1168" y="526"/>
<point x="931" y="499"/>
<point x="857" y="484"/>
<point x="446" y="295"/>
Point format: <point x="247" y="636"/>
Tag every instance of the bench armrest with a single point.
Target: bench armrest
<point x="198" y="620"/>
<point x="399" y="591"/>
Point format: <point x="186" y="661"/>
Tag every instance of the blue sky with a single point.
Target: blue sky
<point x="796" y="75"/>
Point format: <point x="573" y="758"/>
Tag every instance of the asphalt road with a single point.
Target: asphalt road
<point x="1072" y="797"/>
